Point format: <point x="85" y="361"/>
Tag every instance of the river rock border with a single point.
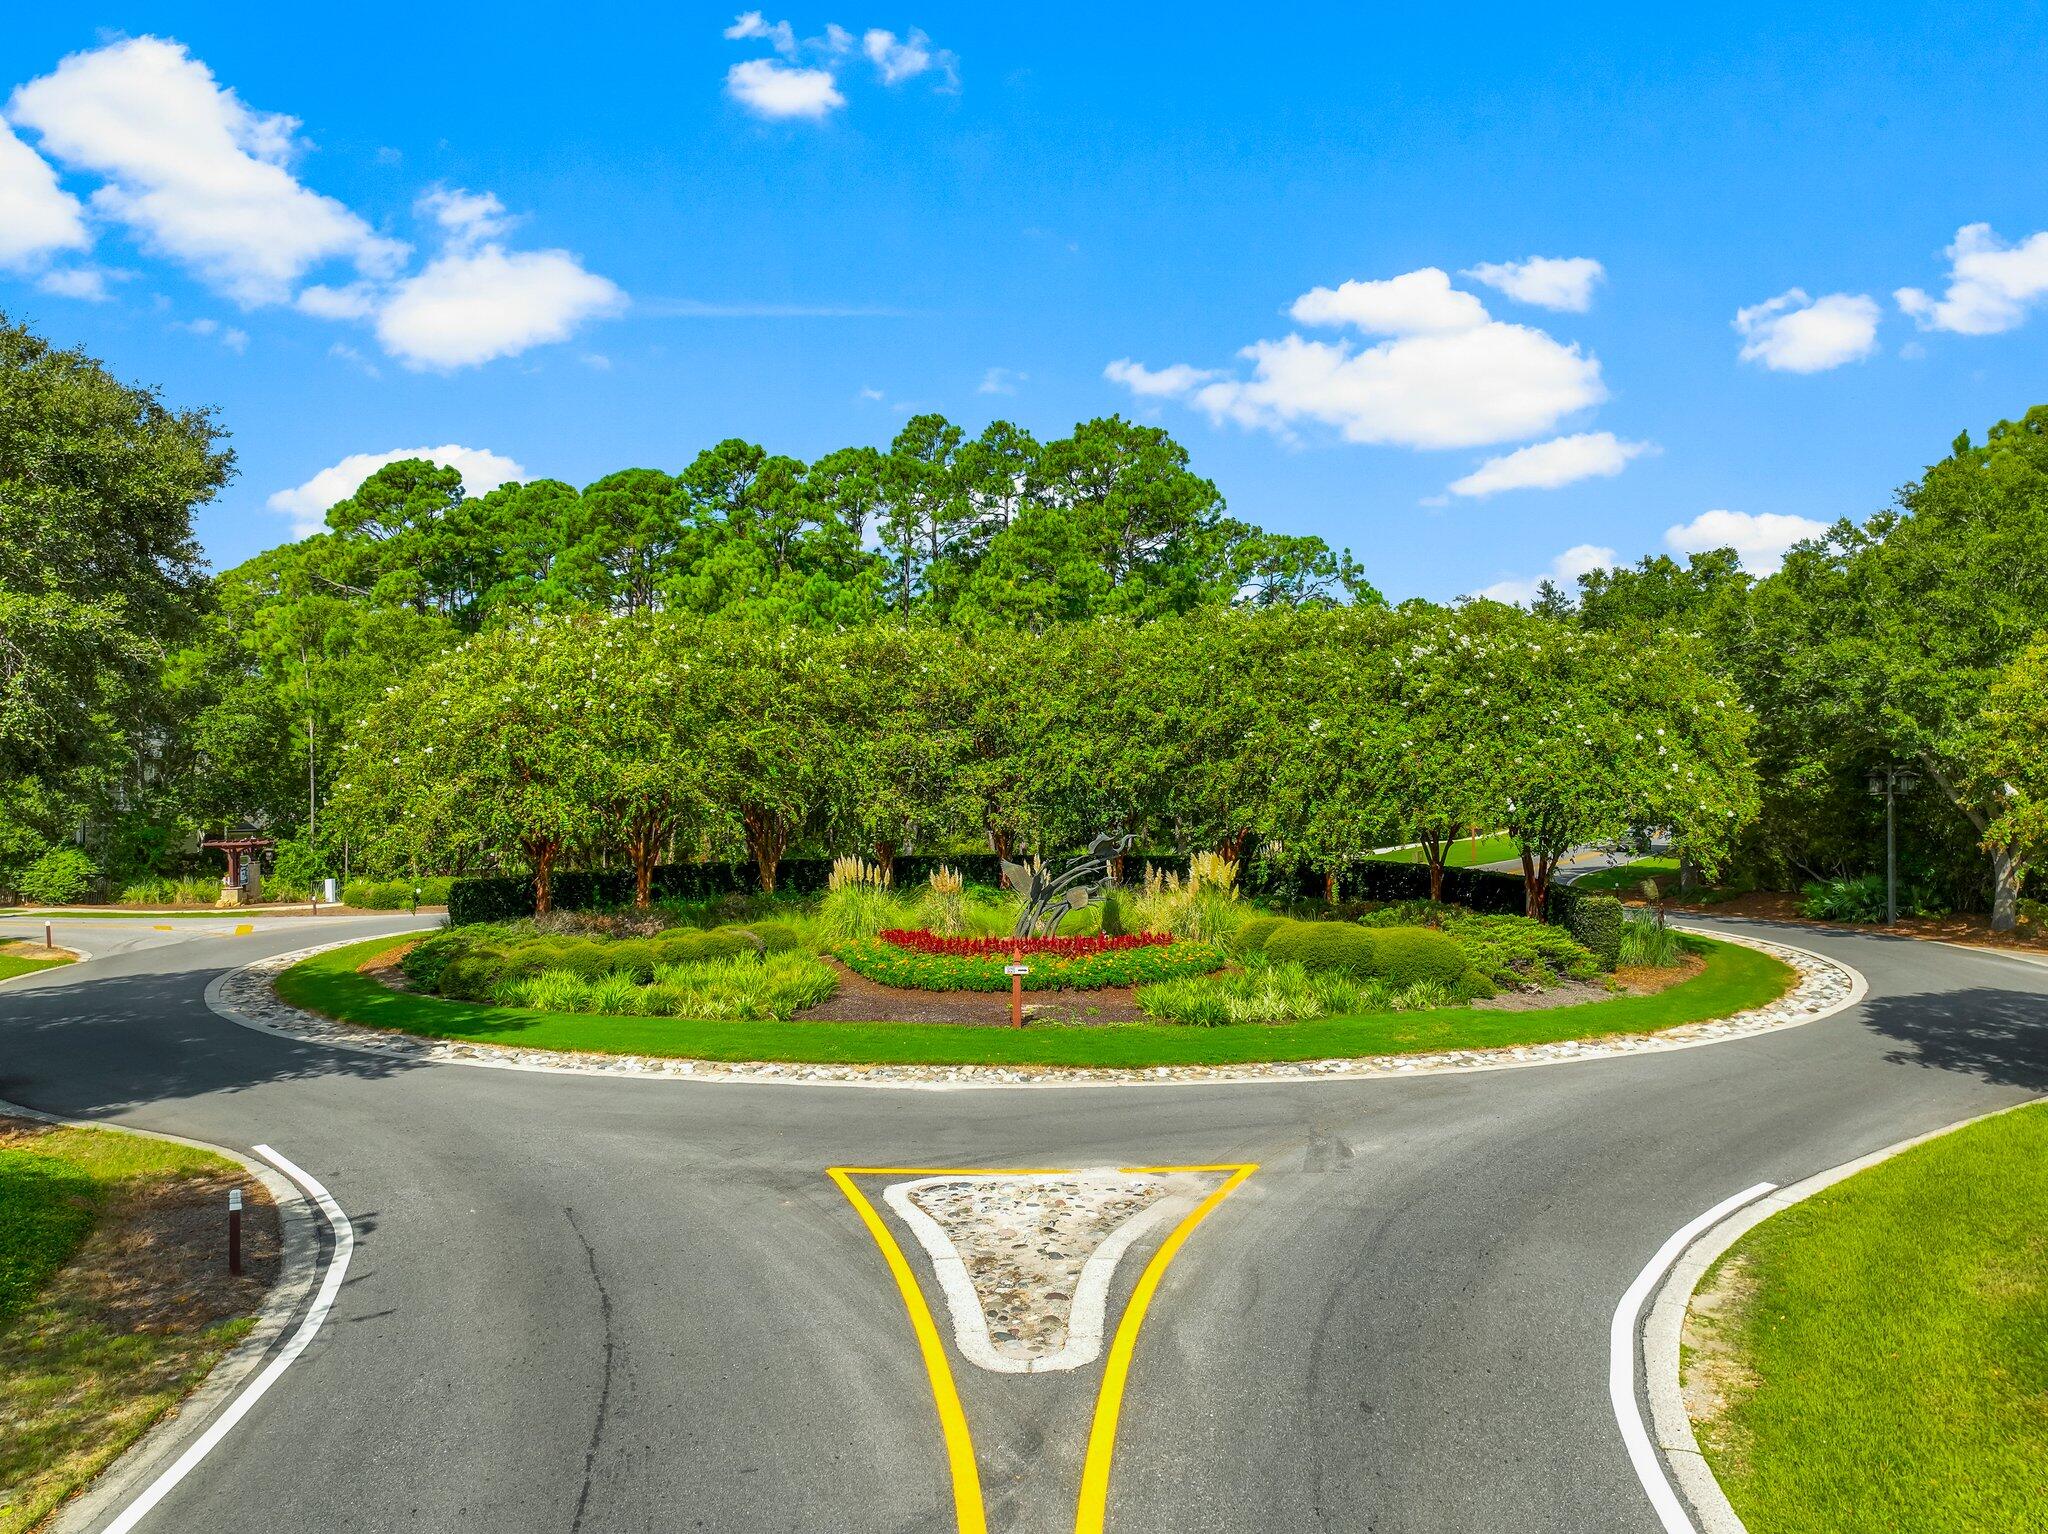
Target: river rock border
<point x="249" y="996"/>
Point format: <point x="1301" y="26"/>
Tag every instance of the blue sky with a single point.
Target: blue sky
<point x="579" y="248"/>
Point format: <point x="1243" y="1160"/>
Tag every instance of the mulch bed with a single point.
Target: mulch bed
<point x="860" y="1000"/>
<point x="1774" y="905"/>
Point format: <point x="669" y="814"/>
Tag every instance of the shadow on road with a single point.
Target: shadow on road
<point x="1998" y="1035"/>
<point x="114" y="1042"/>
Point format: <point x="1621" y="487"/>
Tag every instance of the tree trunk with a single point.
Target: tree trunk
<point x="1237" y="847"/>
<point x="1536" y="872"/>
<point x="541" y="854"/>
<point x="1003" y="845"/>
<point x="1436" y="851"/>
<point x="1330" y="886"/>
<point x="766" y="840"/>
<point x="885" y="859"/>
<point x="644" y="840"/>
<point x="2007" y="870"/>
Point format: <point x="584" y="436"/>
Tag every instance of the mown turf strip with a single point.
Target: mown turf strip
<point x="1625" y="879"/>
<point x="1896" y="1328"/>
<point x="74" y="1390"/>
<point x="12" y="964"/>
<point x="1463" y="854"/>
<point x="1734" y="980"/>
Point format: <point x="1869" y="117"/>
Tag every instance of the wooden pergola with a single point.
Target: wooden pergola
<point x="237" y="848"/>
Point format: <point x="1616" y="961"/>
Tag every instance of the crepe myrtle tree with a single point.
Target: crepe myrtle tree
<point x="774" y="741"/>
<point x="900" y="724"/>
<point x="1591" y="738"/>
<point x="2012" y="760"/>
<point x="1440" y="737"/>
<point x="489" y="749"/>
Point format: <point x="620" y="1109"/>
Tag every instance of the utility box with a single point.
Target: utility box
<point x="327" y="892"/>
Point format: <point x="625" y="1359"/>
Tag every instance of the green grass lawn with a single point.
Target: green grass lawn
<point x="1623" y="880"/>
<point x="1896" y="1327"/>
<point x="1735" y="978"/>
<point x="12" y="964"/>
<point x="81" y="1377"/>
<point x="1490" y="849"/>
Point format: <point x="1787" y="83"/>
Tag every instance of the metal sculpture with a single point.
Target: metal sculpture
<point x="1049" y="899"/>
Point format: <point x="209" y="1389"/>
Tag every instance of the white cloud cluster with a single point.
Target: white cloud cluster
<point x="1564" y="573"/>
<point x="205" y="180"/>
<point x="1991" y="285"/>
<point x="307" y="504"/>
<point x="1551" y="465"/>
<point x="779" y="92"/>
<point x="1549" y="282"/>
<point x="1795" y="333"/>
<point x="195" y="173"/>
<point x="38" y="218"/>
<point x="1761" y="538"/>
<point x="802" y="84"/>
<point x="1446" y="375"/>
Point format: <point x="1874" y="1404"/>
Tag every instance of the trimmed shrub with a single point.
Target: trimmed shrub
<point x="1596" y="922"/>
<point x="1474" y="986"/>
<point x="1324" y="945"/>
<point x="888" y="964"/>
<point x="1112" y="915"/>
<point x="773" y="936"/>
<point x="58" y="877"/>
<point x="1251" y="936"/>
<point x="1405" y="956"/>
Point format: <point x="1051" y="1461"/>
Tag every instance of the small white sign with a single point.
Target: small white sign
<point x="1016" y="969"/>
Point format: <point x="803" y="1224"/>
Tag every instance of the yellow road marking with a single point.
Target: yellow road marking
<point x="164" y="926"/>
<point x="1109" y="1400"/>
<point x="969" y="1512"/>
<point x="244" y="930"/>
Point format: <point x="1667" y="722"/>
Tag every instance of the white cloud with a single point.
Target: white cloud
<point x="307" y="504"/>
<point x="750" y="24"/>
<point x="196" y="173"/>
<point x="236" y="341"/>
<point x="1001" y="381"/>
<point x="466" y="217"/>
<point x="1549" y="465"/>
<point x="1414" y="303"/>
<point x="1793" y="333"/>
<point x="897" y="62"/>
<point x="357" y="301"/>
<point x="1156" y="383"/>
<point x="779" y="91"/>
<point x="470" y="306"/>
<point x="1463" y="388"/>
<point x="1760" y="538"/>
<point x="1564" y="572"/>
<point x="1991" y="284"/>
<point x="37" y="216"/>
<point x="1548" y="282"/>
<point x="84" y="282"/>
<point x="1449" y="376"/>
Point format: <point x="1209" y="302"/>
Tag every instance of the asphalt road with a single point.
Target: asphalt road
<point x="588" y="1303"/>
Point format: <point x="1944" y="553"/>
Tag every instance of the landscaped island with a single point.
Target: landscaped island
<point x="1195" y="974"/>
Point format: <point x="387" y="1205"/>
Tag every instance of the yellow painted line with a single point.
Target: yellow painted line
<point x="164" y="926"/>
<point x="969" y="1514"/>
<point x="244" y="930"/>
<point x="1109" y="1400"/>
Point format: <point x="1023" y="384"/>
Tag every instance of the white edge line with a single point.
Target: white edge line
<point x="1621" y="1362"/>
<point x="316" y="1314"/>
<point x="1085" y="1313"/>
<point x="1663" y="1332"/>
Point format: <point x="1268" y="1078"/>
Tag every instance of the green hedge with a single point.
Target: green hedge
<point x="1596" y="922"/>
<point x="395" y="894"/>
<point x="886" y="964"/>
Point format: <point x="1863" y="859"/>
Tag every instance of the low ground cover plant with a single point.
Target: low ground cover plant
<point x="1267" y="992"/>
<point x="747" y="987"/>
<point x="888" y="964"/>
<point x="482" y="962"/>
<point x="1863" y="900"/>
<point x="1396" y="956"/>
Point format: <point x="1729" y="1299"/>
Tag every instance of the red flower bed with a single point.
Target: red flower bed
<point x="921" y="941"/>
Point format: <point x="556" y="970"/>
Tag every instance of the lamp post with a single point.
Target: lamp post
<point x="1887" y="783"/>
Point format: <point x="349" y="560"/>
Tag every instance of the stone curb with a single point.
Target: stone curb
<point x="248" y="996"/>
<point x="114" y="1487"/>
<point x="1663" y="1331"/>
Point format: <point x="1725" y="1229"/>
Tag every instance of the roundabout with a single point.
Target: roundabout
<point x="577" y="1303"/>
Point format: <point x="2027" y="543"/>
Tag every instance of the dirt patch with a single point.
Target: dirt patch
<point x="157" y="1259"/>
<point x="25" y="949"/>
<point x="1713" y="1375"/>
<point x="1640" y="980"/>
<point x="861" y="1000"/>
<point x="383" y="967"/>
